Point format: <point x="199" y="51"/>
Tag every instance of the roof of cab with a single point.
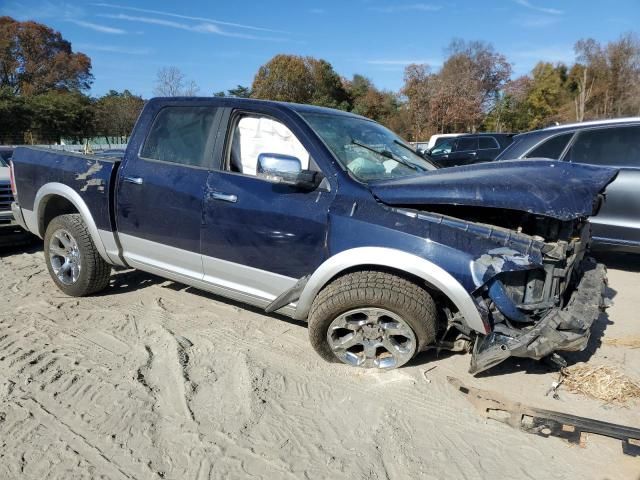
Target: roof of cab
<point x="247" y="102"/>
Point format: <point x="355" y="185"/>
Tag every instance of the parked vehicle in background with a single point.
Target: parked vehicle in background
<point x="470" y="148"/>
<point x="434" y="141"/>
<point x="329" y="217"/>
<point x="6" y="197"/>
<point x="611" y="143"/>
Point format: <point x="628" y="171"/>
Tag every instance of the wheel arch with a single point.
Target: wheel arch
<point x="55" y="199"/>
<point x="392" y="261"/>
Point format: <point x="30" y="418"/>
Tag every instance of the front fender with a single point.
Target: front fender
<point x="398" y="260"/>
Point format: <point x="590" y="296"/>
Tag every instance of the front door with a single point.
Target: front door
<point x="260" y="237"/>
<point x="161" y="189"/>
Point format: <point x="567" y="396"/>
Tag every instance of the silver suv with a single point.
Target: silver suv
<point x="610" y="143"/>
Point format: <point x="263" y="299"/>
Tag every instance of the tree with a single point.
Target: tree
<point x="116" y="113"/>
<point x="547" y="94"/>
<point x="171" y="82"/>
<point x="15" y="116"/>
<point x="58" y="115"/>
<point x="238" y="92"/>
<point x="292" y="78"/>
<point x="418" y="90"/>
<point x="35" y="59"/>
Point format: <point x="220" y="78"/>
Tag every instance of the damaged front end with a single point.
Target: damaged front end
<point x="536" y="308"/>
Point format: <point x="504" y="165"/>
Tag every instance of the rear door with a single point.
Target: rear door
<point x="619" y="146"/>
<point x="161" y="188"/>
<point x="465" y="151"/>
<point x="488" y="149"/>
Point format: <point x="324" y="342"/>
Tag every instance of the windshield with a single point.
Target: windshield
<point x="367" y="149"/>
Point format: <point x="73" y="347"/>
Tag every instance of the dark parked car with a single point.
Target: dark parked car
<point x="468" y="149"/>
<point x="611" y="143"/>
<point x="6" y="197"/>
<point x="331" y="218"/>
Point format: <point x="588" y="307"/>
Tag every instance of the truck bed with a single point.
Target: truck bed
<point x="91" y="176"/>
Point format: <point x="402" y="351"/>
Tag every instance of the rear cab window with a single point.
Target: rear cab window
<point x="181" y="135"/>
<point x="612" y="146"/>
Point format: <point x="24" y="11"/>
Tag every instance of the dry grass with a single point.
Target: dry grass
<point x="602" y="383"/>
<point x="631" y="342"/>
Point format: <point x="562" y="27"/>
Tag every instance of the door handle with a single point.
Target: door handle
<point x="134" y="180"/>
<point x="225" y="197"/>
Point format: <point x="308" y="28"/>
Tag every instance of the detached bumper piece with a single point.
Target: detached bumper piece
<point x="547" y="422"/>
<point x="566" y="329"/>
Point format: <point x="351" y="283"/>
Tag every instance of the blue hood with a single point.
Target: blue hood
<point x="554" y="189"/>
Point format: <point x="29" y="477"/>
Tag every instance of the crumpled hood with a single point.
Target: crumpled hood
<point x="551" y="188"/>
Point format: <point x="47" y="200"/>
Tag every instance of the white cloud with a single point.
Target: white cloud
<point x="113" y="49"/>
<point x="403" y="62"/>
<point x="98" y="28"/>
<point x="199" y="27"/>
<point x="186" y="17"/>
<point x="421" y="7"/>
<point x="529" y="5"/>
<point x="535" y="21"/>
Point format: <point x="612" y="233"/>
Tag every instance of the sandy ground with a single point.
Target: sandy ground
<point x="157" y="380"/>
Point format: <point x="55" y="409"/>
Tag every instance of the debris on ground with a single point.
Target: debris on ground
<point x="631" y="342"/>
<point x="601" y="382"/>
<point x="547" y="423"/>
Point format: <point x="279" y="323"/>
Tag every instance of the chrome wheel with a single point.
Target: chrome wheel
<point x="372" y="338"/>
<point x="64" y="257"/>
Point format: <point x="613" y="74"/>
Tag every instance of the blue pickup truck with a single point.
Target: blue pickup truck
<point x="328" y="217"/>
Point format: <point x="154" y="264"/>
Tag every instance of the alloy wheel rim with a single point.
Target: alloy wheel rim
<point x="64" y="257"/>
<point x="372" y="338"/>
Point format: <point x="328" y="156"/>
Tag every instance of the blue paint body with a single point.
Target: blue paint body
<point x="291" y="232"/>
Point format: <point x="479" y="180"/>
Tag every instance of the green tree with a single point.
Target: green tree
<point x="292" y="78"/>
<point x="547" y="94"/>
<point x="58" y="115"/>
<point x="15" y="117"/>
<point x="116" y="113"/>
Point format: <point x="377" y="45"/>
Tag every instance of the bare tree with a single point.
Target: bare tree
<point x="171" y="82"/>
<point x="583" y="94"/>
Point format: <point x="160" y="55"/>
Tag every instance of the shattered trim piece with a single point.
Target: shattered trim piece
<point x="547" y="423"/>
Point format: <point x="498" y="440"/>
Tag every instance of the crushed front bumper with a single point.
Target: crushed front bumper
<point x="565" y="329"/>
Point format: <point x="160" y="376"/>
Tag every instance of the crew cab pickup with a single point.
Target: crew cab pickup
<point x="329" y="217"/>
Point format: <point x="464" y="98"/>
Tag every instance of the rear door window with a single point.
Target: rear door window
<point x="467" y="144"/>
<point x="181" y="135"/>
<point x="613" y="146"/>
<point x="551" y="148"/>
<point x="487" y="143"/>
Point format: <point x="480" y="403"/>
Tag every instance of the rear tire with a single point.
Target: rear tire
<point x="375" y="311"/>
<point x="72" y="259"/>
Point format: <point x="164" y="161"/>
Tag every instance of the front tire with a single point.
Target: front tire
<point x="72" y="259"/>
<point x="372" y="319"/>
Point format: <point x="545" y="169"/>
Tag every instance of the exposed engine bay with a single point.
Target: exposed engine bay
<point x="532" y="308"/>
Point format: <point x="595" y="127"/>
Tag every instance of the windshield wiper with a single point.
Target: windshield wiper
<point x="407" y="147"/>
<point x="388" y="155"/>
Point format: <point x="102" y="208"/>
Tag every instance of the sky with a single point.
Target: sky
<point x="220" y="44"/>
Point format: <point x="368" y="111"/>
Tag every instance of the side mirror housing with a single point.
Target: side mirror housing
<point x="286" y="170"/>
